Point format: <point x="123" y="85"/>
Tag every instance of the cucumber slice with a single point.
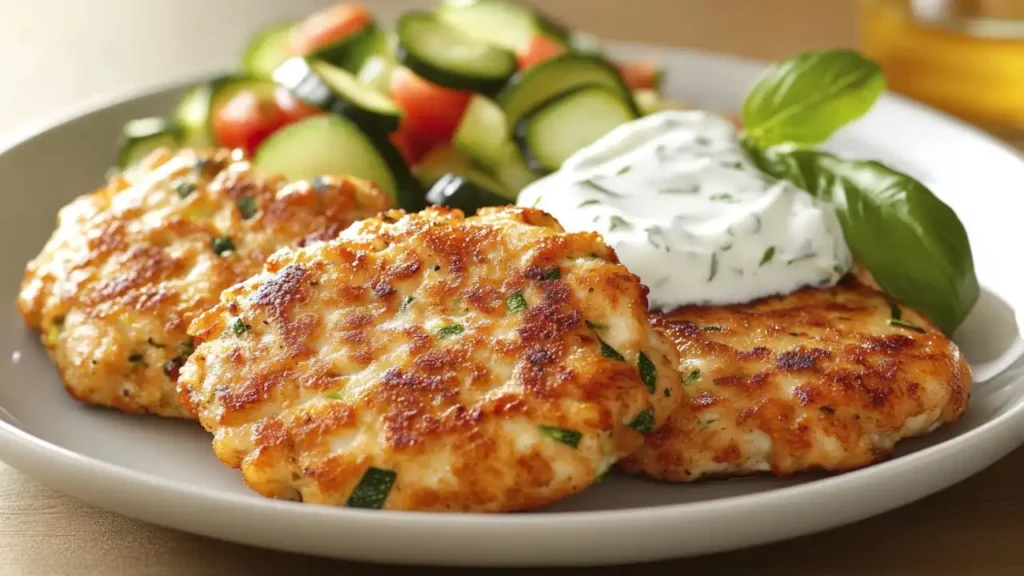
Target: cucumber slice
<point x="447" y="160"/>
<point x="482" y="131"/>
<point x="511" y="169"/>
<point x="376" y="72"/>
<point x="267" y="50"/>
<point x="197" y="107"/>
<point x="334" y="90"/>
<point x="459" y="192"/>
<point x="351" y="51"/>
<point x="562" y="126"/>
<point x="142" y="136"/>
<point x="530" y="88"/>
<point x="496" y="22"/>
<point x="444" y="55"/>
<point x="329" y="144"/>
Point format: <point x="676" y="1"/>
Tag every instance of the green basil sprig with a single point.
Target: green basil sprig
<point x="912" y="243"/>
<point x="802" y="101"/>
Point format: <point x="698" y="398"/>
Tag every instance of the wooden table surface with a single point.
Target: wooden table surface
<point x="976" y="527"/>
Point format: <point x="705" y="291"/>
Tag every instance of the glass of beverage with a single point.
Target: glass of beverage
<point x="963" y="56"/>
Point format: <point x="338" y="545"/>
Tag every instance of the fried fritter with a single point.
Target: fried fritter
<point x="826" y="379"/>
<point x="433" y="362"/>
<point x="132" y="264"/>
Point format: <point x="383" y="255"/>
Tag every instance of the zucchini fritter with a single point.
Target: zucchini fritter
<point x="433" y="362"/>
<point x="827" y="379"/>
<point x="133" y="263"/>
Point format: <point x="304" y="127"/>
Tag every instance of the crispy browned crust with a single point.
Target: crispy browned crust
<point x="131" y="264"/>
<point x="818" y="379"/>
<point x="334" y="369"/>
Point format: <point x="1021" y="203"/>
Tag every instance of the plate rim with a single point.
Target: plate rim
<point x="21" y="445"/>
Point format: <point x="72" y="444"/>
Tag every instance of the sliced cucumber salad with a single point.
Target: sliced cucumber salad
<point x="491" y="93"/>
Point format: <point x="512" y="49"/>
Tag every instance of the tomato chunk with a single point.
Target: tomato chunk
<point x="537" y="50"/>
<point x="246" y="120"/>
<point x="431" y="111"/>
<point x="327" y="27"/>
<point x="640" y="74"/>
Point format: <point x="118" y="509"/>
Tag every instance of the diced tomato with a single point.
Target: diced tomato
<point x="538" y="49"/>
<point x="327" y="27"/>
<point x="640" y="74"/>
<point x="246" y="120"/>
<point x="292" y="107"/>
<point x="410" y="145"/>
<point x="431" y="111"/>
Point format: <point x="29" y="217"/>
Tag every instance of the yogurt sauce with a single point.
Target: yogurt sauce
<point x="685" y="210"/>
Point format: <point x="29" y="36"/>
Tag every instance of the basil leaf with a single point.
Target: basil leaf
<point x="912" y="243"/>
<point x="807" y="98"/>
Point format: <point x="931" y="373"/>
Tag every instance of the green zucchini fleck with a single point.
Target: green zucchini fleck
<point x="516" y="302"/>
<point x="692" y="377"/>
<point x="247" y="207"/>
<point x="239" y="327"/>
<point x="895" y="312"/>
<point x="185" y="188"/>
<point x="405" y="303"/>
<point x="222" y="244"/>
<point x="563" y="435"/>
<point x="594" y="325"/>
<point x="372" y="490"/>
<point x="648" y="372"/>
<point x="553" y="274"/>
<point x="644" y="422"/>
<point x="907" y="325"/>
<point x="450" y="331"/>
<point x="609" y="352"/>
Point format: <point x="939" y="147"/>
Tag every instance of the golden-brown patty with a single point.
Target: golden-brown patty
<point x="819" y="379"/>
<point x="131" y="264"/>
<point x="432" y="362"/>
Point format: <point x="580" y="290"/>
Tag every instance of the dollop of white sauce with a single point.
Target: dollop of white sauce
<point x="686" y="210"/>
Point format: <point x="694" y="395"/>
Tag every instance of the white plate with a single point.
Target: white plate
<point x="164" y="472"/>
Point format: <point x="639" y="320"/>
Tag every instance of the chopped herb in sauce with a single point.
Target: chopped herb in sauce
<point x="564" y="435"/>
<point x="733" y="164"/>
<point x="516" y="302"/>
<point x="405" y="303"/>
<point x="450" y="331"/>
<point x="222" y="244"/>
<point x="648" y="373"/>
<point x="615" y="222"/>
<point x="656" y="238"/>
<point x="201" y="164"/>
<point x="594" y="325"/>
<point x="712" y="328"/>
<point x="906" y="325"/>
<point x="536" y="201"/>
<point x="644" y="422"/>
<point x="185" y="188"/>
<point x="722" y="197"/>
<point x="693" y="376"/>
<point x="767" y="256"/>
<point x="590" y="202"/>
<point x="247" y="207"/>
<point x="693" y="189"/>
<point x="239" y="327"/>
<point x="372" y="490"/>
<point x="553" y="274"/>
<point x="590" y="183"/>
<point x="609" y="352"/>
<point x="801" y="258"/>
<point x="154" y="343"/>
<point x="623" y="170"/>
<point x="713" y="271"/>
<point x="137" y="360"/>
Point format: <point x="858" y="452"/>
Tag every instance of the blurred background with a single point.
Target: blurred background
<point x="57" y="52"/>
<point x="965" y="56"/>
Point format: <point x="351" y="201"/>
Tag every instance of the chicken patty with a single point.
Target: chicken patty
<point x="826" y="379"/>
<point x="433" y="362"/>
<point x="133" y="263"/>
